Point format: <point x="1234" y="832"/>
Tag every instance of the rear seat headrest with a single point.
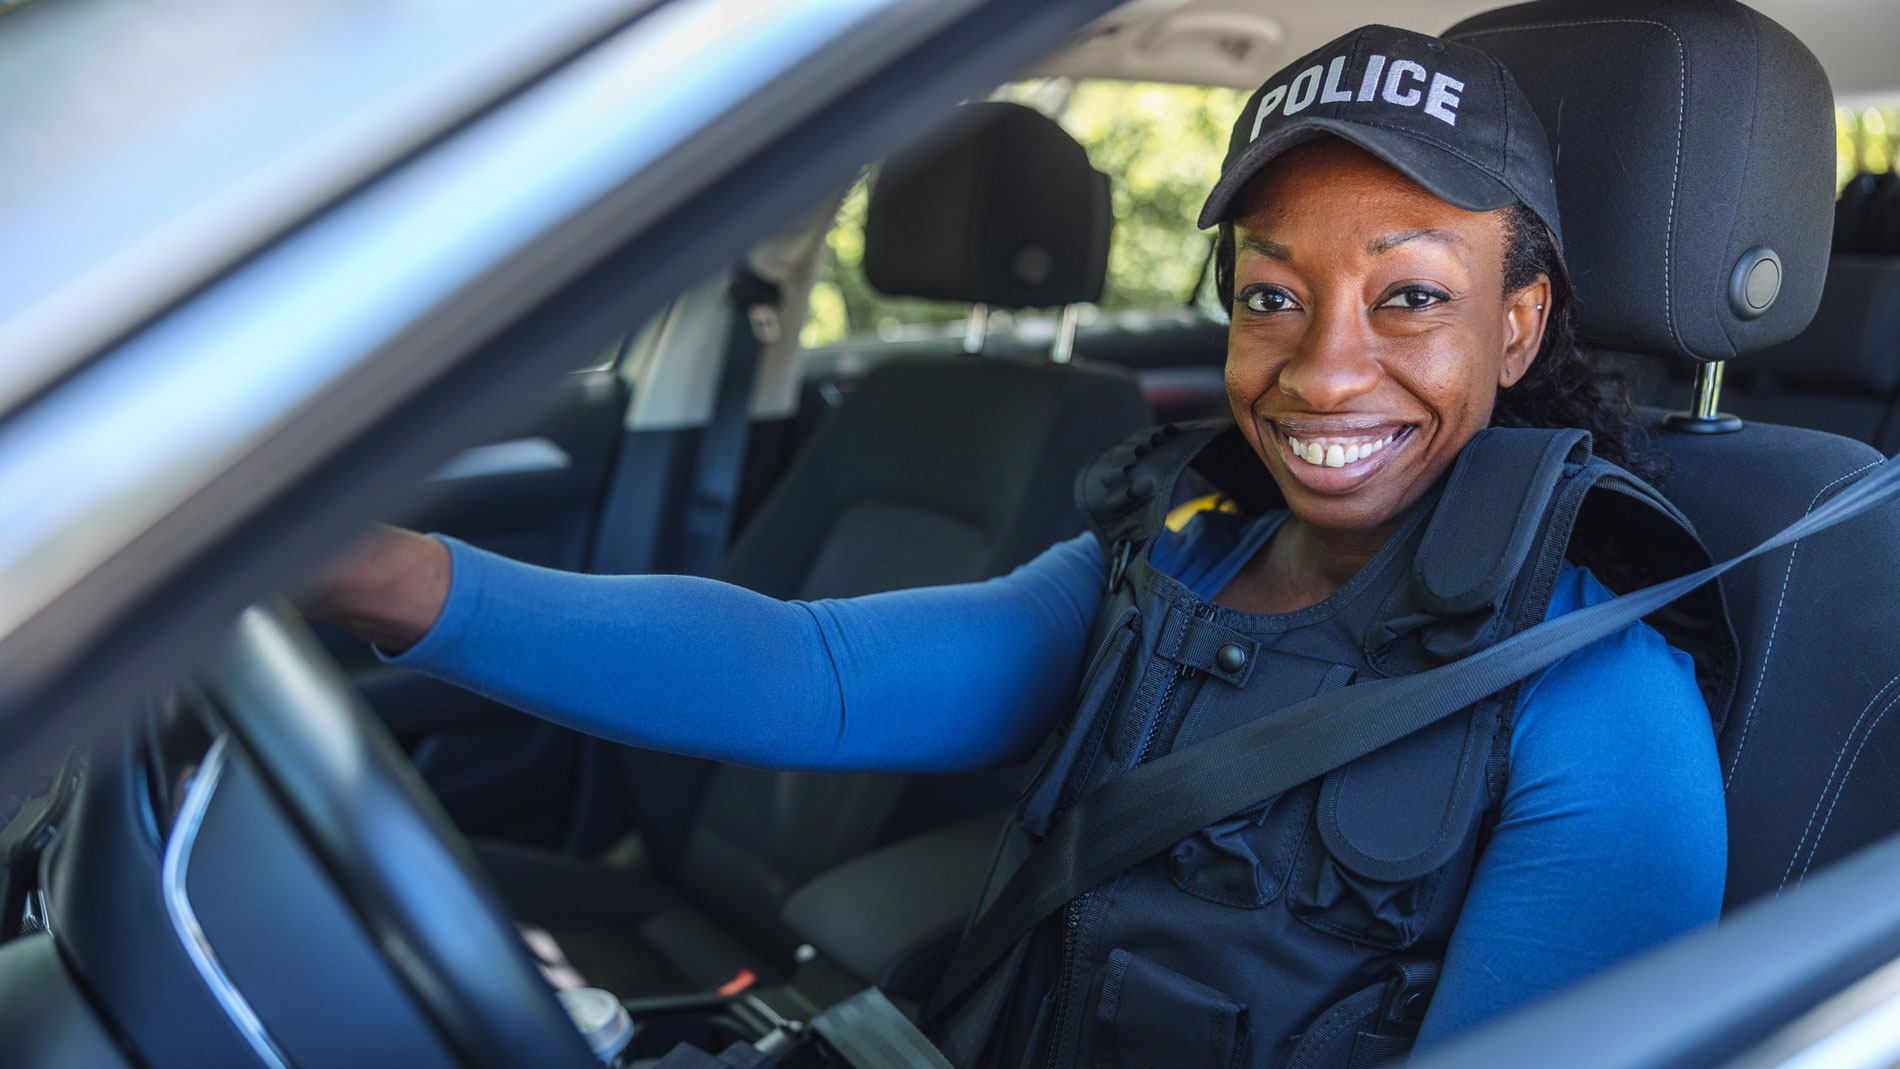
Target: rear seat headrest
<point x="1867" y="217"/>
<point x="1000" y="206"/>
<point x="1685" y="135"/>
<point x="1853" y="345"/>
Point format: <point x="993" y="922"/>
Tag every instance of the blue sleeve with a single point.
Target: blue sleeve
<point x="1612" y="837"/>
<point x="933" y="679"/>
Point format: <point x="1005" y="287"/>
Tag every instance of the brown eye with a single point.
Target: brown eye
<point x="1416" y="297"/>
<point x="1266" y="299"/>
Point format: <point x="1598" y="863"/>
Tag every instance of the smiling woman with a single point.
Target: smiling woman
<point x="1393" y="273"/>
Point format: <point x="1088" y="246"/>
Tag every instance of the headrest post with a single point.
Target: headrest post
<point x="976" y="328"/>
<point x="1063" y="348"/>
<point x="1705" y="415"/>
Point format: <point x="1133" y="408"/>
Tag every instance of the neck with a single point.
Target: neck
<point x="1306" y="564"/>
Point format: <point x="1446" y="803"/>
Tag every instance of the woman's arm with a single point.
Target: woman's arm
<point x="932" y="679"/>
<point x="1613" y="835"/>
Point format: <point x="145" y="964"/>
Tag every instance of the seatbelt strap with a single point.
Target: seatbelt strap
<point x="1149" y="808"/>
<point x="868" y="1032"/>
<point x="707" y="522"/>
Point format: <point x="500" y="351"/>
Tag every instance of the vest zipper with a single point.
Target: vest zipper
<point x="1164" y="709"/>
<point x="1164" y="714"/>
<point x="1076" y="915"/>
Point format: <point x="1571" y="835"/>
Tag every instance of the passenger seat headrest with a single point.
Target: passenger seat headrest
<point x="1688" y="136"/>
<point x="1000" y="206"/>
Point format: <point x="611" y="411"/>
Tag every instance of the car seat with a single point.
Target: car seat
<point x="931" y="471"/>
<point x="1689" y="137"/>
<point x="1842" y="373"/>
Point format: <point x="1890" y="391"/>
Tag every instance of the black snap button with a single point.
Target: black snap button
<point x="1415" y="1006"/>
<point x="1230" y="658"/>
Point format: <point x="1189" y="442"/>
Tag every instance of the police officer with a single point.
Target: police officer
<point x="1419" y="435"/>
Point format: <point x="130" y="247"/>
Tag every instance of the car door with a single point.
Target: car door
<point x="534" y="496"/>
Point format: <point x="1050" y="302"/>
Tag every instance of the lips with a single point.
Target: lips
<point x="1331" y="456"/>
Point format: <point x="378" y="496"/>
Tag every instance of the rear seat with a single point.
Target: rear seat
<point x="1841" y="374"/>
<point x="932" y="471"/>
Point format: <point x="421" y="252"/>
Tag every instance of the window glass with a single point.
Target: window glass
<point x="1865" y="141"/>
<point x="1161" y="147"/>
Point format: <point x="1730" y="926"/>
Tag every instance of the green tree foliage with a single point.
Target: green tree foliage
<point x="1161" y="147"/>
<point x="1867" y="140"/>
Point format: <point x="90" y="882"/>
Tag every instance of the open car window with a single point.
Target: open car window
<point x="1161" y="147"/>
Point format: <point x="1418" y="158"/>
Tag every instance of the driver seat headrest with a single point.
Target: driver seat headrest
<point x="1001" y="207"/>
<point x="1687" y="136"/>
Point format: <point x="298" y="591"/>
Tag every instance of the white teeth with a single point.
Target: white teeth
<point x="1335" y="455"/>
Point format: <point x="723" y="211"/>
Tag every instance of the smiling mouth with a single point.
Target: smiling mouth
<point x="1337" y="452"/>
<point x="1338" y="463"/>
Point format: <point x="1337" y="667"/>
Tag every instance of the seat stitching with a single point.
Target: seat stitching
<point x="1838" y="758"/>
<point x="1842" y="789"/>
<point x="1774" y="628"/>
<point x="1675" y="171"/>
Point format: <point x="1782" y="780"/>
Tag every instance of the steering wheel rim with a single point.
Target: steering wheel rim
<point x="367" y="818"/>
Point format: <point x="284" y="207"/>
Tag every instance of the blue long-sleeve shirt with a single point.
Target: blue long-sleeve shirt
<point x="1611" y="839"/>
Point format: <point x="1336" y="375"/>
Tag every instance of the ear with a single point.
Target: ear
<point x="1525" y="314"/>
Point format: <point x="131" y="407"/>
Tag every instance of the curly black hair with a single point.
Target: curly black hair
<point x="1565" y="386"/>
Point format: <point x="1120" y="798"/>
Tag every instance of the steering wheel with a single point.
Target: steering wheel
<point x="365" y="816"/>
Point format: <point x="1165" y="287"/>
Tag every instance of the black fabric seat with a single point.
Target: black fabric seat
<point x="932" y="471"/>
<point x="1842" y="373"/>
<point x="1690" y="134"/>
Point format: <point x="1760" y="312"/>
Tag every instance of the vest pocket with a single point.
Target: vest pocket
<point x="1332" y="897"/>
<point x="1371" y="1027"/>
<point x="1152" y="1017"/>
<point x="1242" y="861"/>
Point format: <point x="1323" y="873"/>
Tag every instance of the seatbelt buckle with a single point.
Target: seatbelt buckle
<point x="740" y="981"/>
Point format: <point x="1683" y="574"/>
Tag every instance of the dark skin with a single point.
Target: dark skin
<point x="1369" y="321"/>
<point x="1365" y="308"/>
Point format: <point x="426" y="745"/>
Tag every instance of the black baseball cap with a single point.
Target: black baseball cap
<point x="1447" y="115"/>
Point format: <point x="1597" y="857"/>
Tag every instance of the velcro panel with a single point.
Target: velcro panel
<point x="1684" y="135"/>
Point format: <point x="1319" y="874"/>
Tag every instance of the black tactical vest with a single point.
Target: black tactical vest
<point x="1308" y="930"/>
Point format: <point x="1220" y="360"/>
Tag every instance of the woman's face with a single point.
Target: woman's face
<point x="1370" y="332"/>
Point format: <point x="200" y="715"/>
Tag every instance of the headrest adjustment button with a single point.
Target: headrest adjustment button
<point x="1755" y="282"/>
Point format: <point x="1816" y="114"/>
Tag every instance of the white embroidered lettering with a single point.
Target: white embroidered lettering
<point x="1297" y="98"/>
<point x="1370" y="83"/>
<point x="1442" y="101"/>
<point x="1401" y="68"/>
<point x="1331" y="93"/>
<point x="1267" y="103"/>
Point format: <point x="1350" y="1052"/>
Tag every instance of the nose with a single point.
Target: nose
<point x="1334" y="362"/>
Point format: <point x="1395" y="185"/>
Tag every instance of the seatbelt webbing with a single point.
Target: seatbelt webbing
<point x="714" y="497"/>
<point x="1147" y="809"/>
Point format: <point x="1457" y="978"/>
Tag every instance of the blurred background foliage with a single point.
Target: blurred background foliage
<point x="1865" y="141"/>
<point x="1161" y="147"/>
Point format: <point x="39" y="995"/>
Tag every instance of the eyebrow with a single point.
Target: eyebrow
<point x="1388" y="242"/>
<point x="1272" y="250"/>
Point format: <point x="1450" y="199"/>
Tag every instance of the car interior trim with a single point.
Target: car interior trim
<point x="1856" y="1029"/>
<point x="184" y="919"/>
<point x="516" y="456"/>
